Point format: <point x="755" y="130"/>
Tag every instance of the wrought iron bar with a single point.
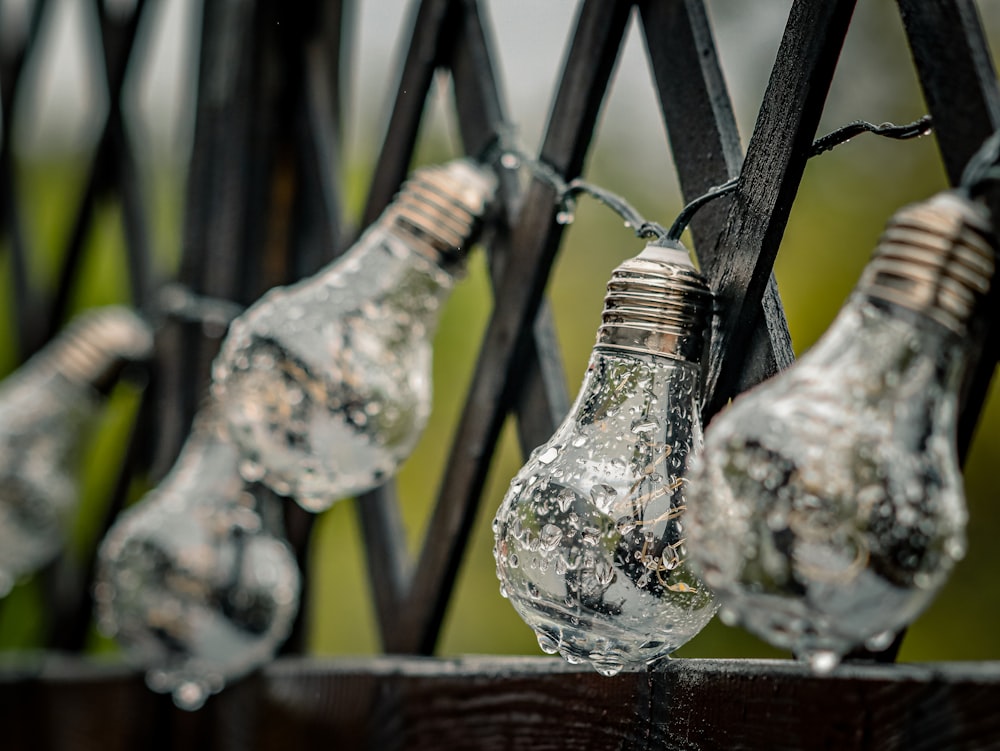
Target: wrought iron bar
<point x="776" y="156"/>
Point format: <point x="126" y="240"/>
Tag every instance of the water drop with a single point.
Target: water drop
<point x="190" y="695"/>
<point x="955" y="549"/>
<point x="550" y="536"/>
<point x="879" y="641"/>
<point x="591" y="535"/>
<point x="729" y="616"/>
<point x="646" y="426"/>
<point x="547" y="644"/>
<point x="549" y="455"/>
<point x="251" y="471"/>
<point x="608" y="669"/>
<point x="565" y="217"/>
<point x="510" y="160"/>
<point x="822" y="661"/>
<point x="603" y="496"/>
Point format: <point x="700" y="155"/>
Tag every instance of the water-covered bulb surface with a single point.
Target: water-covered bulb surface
<point x="45" y="408"/>
<point x="326" y="384"/>
<point x="827" y="507"/>
<point x="590" y="539"/>
<point x="196" y="581"/>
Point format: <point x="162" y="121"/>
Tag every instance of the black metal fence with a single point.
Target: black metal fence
<point x="263" y="207"/>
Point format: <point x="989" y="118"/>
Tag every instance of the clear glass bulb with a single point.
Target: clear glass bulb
<point x="326" y="384"/>
<point x="590" y="540"/>
<point x="195" y="581"/>
<point x="827" y="504"/>
<point x="45" y="409"/>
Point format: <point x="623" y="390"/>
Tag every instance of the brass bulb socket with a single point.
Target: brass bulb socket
<point x="96" y="345"/>
<point x="439" y="209"/>
<point x="936" y="258"/>
<point x="658" y="304"/>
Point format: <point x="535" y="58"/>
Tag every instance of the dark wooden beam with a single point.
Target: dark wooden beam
<point x="740" y="269"/>
<point x="510" y="702"/>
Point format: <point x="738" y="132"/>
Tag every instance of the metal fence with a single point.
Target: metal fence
<point x="261" y="209"/>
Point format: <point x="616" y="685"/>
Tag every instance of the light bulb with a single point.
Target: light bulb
<point x="326" y="384"/>
<point x="590" y="539"/>
<point x="45" y="409"/>
<point x="194" y="581"/>
<point x="827" y="506"/>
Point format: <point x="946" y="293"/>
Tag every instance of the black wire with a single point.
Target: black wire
<point x="917" y="128"/>
<point x="984" y="166"/>
<point x="831" y="140"/>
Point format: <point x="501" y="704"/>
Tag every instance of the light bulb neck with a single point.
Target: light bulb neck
<point x="936" y="258"/>
<point x="439" y="209"/>
<point x="657" y="304"/>
<point x="96" y="346"/>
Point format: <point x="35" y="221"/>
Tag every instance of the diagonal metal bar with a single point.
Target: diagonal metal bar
<point x="319" y="221"/>
<point x="11" y="76"/>
<point x="593" y="52"/>
<point x="705" y="143"/>
<point x="543" y="400"/>
<point x="216" y="202"/>
<point x="117" y="41"/>
<point x="740" y="267"/>
<point x="431" y="34"/>
<point x="959" y="82"/>
<point x="388" y="559"/>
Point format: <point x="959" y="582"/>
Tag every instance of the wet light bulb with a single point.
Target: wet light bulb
<point x="45" y="409"/>
<point x="590" y="540"/>
<point x="827" y="507"/>
<point x="326" y="384"/>
<point x="196" y="581"/>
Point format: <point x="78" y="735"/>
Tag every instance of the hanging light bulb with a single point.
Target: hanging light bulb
<point x="325" y="384"/>
<point x="590" y="539"/>
<point x="45" y="407"/>
<point x="195" y="581"/>
<point x="827" y="506"/>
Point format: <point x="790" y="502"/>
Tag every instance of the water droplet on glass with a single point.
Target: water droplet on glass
<point x="190" y="695"/>
<point x="822" y="661"/>
<point x="550" y="536"/>
<point x="549" y="455"/>
<point x="547" y="644"/>
<point x="728" y="616"/>
<point x="608" y="669"/>
<point x="880" y="641"/>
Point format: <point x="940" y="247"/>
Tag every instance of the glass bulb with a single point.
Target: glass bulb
<point x="326" y="384"/>
<point x="195" y="581"/>
<point x="590" y="539"/>
<point x="45" y="408"/>
<point x="827" y="504"/>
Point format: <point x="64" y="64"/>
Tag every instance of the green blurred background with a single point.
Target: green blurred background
<point x="846" y="197"/>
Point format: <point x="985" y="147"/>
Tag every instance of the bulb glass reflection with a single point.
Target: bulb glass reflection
<point x="326" y="384"/>
<point x="46" y="407"/>
<point x="827" y="505"/>
<point x="591" y="544"/>
<point x="195" y="581"/>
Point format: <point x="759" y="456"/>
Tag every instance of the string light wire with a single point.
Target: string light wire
<point x="566" y="192"/>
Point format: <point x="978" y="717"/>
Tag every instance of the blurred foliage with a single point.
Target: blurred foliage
<point x="846" y="197"/>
